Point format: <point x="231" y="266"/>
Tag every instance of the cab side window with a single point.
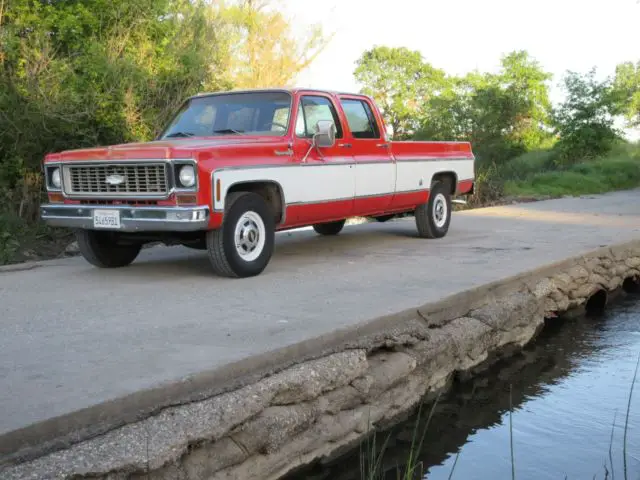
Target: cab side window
<point x="360" y="118"/>
<point x="311" y="110"/>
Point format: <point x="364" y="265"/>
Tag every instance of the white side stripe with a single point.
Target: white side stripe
<point x="326" y="182"/>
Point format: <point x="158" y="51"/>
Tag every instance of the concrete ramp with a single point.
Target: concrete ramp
<point x="86" y="351"/>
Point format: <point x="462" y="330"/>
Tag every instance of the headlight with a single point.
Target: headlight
<point x="56" y="181"/>
<point x="187" y="176"/>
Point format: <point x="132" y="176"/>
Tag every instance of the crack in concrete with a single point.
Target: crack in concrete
<point x="240" y="445"/>
<point x="493" y="328"/>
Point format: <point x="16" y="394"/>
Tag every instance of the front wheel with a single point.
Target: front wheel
<point x="101" y="249"/>
<point x="433" y="218"/>
<point x="331" y="228"/>
<point x="243" y="245"/>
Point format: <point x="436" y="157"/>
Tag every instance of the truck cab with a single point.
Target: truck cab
<point x="232" y="168"/>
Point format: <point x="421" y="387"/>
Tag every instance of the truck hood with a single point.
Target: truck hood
<point x="160" y="149"/>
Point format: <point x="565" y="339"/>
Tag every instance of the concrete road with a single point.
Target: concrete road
<point x="73" y="335"/>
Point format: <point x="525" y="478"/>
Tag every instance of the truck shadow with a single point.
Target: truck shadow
<point x="482" y="231"/>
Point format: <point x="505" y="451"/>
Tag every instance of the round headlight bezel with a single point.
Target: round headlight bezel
<point x="187" y="176"/>
<point x="56" y="178"/>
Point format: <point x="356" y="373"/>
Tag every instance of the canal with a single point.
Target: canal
<point x="547" y="413"/>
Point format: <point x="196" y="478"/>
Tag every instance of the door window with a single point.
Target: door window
<point x="313" y="109"/>
<point x="360" y="119"/>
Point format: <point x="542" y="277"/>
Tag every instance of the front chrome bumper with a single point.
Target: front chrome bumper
<point x="131" y="218"/>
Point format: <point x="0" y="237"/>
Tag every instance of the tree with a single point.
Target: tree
<point x="262" y="52"/>
<point x="525" y="87"/>
<point x="80" y="73"/>
<point x="626" y="92"/>
<point x="401" y="83"/>
<point x="503" y="114"/>
<point x="585" y="120"/>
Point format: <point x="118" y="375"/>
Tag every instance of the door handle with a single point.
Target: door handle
<point x="345" y="145"/>
<point x="382" y="145"/>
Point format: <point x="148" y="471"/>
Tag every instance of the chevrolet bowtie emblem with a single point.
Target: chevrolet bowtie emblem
<point x="115" y="179"/>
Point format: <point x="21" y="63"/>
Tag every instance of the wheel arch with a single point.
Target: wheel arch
<point x="270" y="190"/>
<point x="449" y="177"/>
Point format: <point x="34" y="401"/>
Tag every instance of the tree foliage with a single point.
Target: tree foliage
<point x="584" y="122"/>
<point x="262" y="49"/>
<point x="502" y="113"/>
<point x="400" y="82"/>
<point x="626" y="92"/>
<point x="80" y="73"/>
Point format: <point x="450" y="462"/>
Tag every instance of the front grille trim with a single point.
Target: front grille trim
<point x="149" y="180"/>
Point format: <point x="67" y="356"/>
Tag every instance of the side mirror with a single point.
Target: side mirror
<point x="326" y="134"/>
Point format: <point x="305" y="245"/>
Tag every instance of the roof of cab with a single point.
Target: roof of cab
<point x="287" y="90"/>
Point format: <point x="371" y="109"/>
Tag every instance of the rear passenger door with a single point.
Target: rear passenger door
<point x="375" y="168"/>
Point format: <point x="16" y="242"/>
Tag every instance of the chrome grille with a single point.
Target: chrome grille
<point x="149" y="179"/>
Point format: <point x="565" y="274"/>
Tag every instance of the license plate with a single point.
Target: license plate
<point x="106" y="219"/>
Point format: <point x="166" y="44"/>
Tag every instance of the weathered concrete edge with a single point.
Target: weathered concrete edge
<point x="60" y="432"/>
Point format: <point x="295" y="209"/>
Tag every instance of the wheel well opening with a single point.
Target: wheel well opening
<point x="596" y="303"/>
<point x="271" y="193"/>
<point x="448" y="178"/>
<point x="631" y="285"/>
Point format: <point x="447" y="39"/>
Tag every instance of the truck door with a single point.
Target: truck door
<point x="375" y="166"/>
<point x="325" y="180"/>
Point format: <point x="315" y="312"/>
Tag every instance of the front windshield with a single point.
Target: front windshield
<point x="255" y="113"/>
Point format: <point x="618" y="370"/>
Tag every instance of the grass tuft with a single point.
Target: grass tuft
<point x="534" y="174"/>
<point x="626" y="421"/>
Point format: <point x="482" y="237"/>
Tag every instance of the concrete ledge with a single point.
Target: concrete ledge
<point x="318" y="392"/>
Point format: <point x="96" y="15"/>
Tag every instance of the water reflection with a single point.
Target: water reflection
<point x="565" y="389"/>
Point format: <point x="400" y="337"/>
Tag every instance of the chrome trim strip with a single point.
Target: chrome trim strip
<point x="132" y="218"/>
<point x="330" y="163"/>
<point x="319" y="202"/>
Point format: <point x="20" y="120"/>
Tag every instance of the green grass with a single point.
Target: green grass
<point x="535" y="175"/>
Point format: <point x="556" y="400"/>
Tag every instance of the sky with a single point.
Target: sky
<point x="462" y="35"/>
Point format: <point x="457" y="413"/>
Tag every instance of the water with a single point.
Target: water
<point x="565" y="389"/>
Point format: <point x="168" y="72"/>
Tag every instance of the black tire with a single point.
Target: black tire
<point x="101" y="249"/>
<point x="223" y="254"/>
<point x="439" y="198"/>
<point x="331" y="228"/>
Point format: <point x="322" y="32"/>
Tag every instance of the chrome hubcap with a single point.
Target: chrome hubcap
<point x="249" y="236"/>
<point x="439" y="210"/>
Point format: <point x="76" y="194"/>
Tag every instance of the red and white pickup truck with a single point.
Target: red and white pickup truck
<point x="232" y="168"/>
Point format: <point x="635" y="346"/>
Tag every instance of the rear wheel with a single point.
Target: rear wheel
<point x="331" y="228"/>
<point x="433" y="218"/>
<point x="101" y="249"/>
<point x="243" y="245"/>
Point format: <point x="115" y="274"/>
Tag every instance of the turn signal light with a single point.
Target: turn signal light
<point x="218" y="190"/>
<point x="186" y="199"/>
<point x="56" y="198"/>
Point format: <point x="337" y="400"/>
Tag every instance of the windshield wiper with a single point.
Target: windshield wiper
<point x="179" y="134"/>
<point x="228" y="130"/>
